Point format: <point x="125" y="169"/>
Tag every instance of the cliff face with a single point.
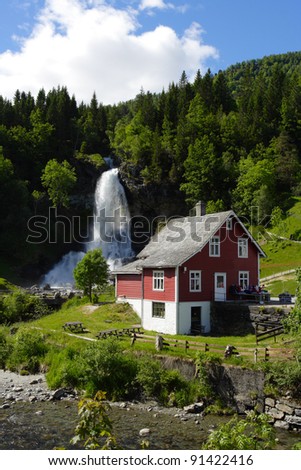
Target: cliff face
<point x="149" y="204"/>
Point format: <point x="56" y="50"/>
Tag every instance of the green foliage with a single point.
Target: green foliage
<point x="29" y="349"/>
<point x="204" y="362"/>
<point x="65" y="368"/>
<point x="91" y="272"/>
<point x="59" y="179"/>
<point x="106" y="367"/>
<point x="5" y="350"/>
<point x="231" y="139"/>
<point x="95" y="427"/>
<point x="252" y="433"/>
<point x="21" y="306"/>
<point x="292" y="322"/>
<point x="281" y="377"/>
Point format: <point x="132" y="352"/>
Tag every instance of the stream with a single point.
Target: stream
<point x="49" y="425"/>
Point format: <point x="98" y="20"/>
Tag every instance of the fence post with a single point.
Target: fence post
<point x="266" y="354"/>
<point x="159" y="343"/>
<point x="186" y="346"/>
<point x="255" y="355"/>
<point x="206" y="347"/>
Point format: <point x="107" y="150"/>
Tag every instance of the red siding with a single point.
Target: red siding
<point x="169" y="285"/>
<point x="129" y="285"/>
<point x="228" y="262"/>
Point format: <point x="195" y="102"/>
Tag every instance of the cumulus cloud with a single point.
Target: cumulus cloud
<point x="89" y="46"/>
<point x="145" y="4"/>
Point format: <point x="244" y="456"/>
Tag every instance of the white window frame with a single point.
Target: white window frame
<point x="158" y="280"/>
<point x="214" y="247"/>
<point x="195" y="281"/>
<point x="242" y="247"/>
<point x="243" y="279"/>
<point x="158" y="310"/>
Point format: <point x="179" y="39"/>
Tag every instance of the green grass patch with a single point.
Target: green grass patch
<point x="281" y="256"/>
<point x="285" y="284"/>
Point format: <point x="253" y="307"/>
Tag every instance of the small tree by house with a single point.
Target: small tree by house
<point x="91" y="273"/>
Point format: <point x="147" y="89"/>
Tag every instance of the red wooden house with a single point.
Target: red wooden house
<point x="187" y="265"/>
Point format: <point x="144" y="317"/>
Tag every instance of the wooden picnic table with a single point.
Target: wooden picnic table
<point x="105" y="333"/>
<point x="75" y="326"/>
<point x="119" y="332"/>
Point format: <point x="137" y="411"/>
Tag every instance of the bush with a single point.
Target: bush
<point x="21" y="306"/>
<point x="205" y="362"/>
<point x="281" y="377"/>
<point x="252" y="433"/>
<point x="29" y="348"/>
<point x="108" y="368"/>
<point x="65" y="368"/>
<point x="166" y="385"/>
<point x="5" y="350"/>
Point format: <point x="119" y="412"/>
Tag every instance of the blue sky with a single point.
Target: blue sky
<point x="117" y="47"/>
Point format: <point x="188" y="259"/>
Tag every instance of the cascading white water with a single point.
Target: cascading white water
<point x="111" y="219"/>
<point x="111" y="231"/>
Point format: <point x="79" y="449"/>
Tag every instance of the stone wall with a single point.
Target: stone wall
<point x="285" y="413"/>
<point x="243" y="390"/>
<point x="238" y="318"/>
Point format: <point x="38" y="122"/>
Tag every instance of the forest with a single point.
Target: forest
<point x="231" y="139"/>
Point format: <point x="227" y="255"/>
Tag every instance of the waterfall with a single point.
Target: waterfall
<point x="111" y="231"/>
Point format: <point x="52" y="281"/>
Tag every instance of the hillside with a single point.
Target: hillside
<point x="232" y="140"/>
<point x="282" y="245"/>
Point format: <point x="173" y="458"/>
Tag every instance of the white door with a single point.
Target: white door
<point x="220" y="289"/>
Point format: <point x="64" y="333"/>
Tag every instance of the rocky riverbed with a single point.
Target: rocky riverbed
<point x="29" y="388"/>
<point x="34" y="417"/>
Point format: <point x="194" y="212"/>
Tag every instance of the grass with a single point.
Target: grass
<point x="118" y="315"/>
<point x="282" y="256"/>
<point x="287" y="283"/>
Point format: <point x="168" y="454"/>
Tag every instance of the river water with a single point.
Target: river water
<point x="48" y="425"/>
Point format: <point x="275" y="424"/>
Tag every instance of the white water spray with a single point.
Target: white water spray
<point x="111" y="231"/>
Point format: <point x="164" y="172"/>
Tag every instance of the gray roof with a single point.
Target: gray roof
<point x="179" y="240"/>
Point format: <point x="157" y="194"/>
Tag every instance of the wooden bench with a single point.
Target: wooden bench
<point x="74" y="326"/>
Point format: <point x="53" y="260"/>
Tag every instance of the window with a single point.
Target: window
<point x="158" y="280"/>
<point x="229" y="223"/>
<point x="158" y="310"/>
<point x="214" y="246"/>
<point x="242" y="247"/>
<point x="195" y="281"/>
<point x="243" y="279"/>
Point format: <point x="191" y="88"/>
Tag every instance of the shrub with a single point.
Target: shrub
<point x="29" y="348"/>
<point x="166" y="385"/>
<point x="281" y="377"/>
<point x="252" y="433"/>
<point x="108" y="368"/>
<point x="65" y="368"/>
<point x="21" y="306"/>
<point x="5" y="350"/>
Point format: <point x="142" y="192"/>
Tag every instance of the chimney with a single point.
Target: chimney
<point x="200" y="209"/>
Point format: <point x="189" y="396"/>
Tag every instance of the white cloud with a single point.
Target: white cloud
<point x="87" y="46"/>
<point x="153" y="4"/>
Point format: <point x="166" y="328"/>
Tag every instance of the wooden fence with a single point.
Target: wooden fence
<point x="266" y="330"/>
<point x="252" y="354"/>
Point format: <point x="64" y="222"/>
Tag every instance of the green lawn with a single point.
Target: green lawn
<point x="113" y="315"/>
